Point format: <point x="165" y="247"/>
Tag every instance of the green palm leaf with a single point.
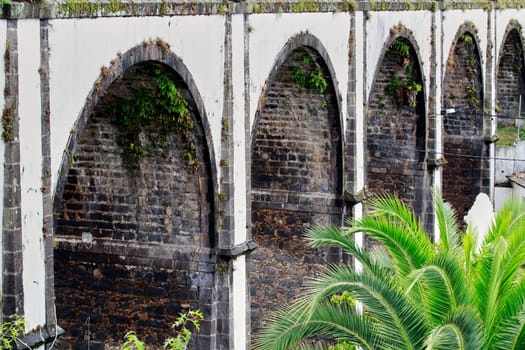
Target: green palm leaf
<point x="401" y="322"/>
<point x="447" y="224"/>
<point x="413" y="294"/>
<point x="442" y="287"/>
<point x="460" y="330"/>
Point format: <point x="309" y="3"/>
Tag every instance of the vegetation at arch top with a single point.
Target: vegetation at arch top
<point x="414" y="294"/>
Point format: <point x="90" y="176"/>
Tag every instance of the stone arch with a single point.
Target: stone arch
<point x="134" y="243"/>
<point x="466" y="172"/>
<point x="296" y="173"/>
<point x="510" y="75"/>
<point x="396" y="125"/>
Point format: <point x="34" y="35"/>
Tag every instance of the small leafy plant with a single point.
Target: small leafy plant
<point x="308" y="78"/>
<point x="472" y="100"/>
<point x="132" y="342"/>
<point x="163" y="109"/>
<point x="466" y="37"/>
<point x="402" y="48"/>
<point x="183" y="336"/>
<point x="313" y="79"/>
<point x="182" y="333"/>
<point x="403" y="91"/>
<point x="11" y="331"/>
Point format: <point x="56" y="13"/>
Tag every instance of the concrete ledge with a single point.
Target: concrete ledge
<point x="356" y="198"/>
<point x="436" y="163"/>
<point x="241" y="249"/>
<point x="168" y="256"/>
<point x="491" y="139"/>
<point x="43" y="335"/>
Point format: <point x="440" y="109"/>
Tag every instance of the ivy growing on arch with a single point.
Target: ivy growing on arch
<point x="162" y="109"/>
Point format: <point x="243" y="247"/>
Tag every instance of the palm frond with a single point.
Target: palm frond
<point x="401" y="322"/>
<point x="461" y="330"/>
<point x="331" y="236"/>
<point x="512" y="215"/>
<point x="510" y="309"/>
<point x="447" y="223"/>
<point x="327" y="321"/>
<point x="393" y="208"/>
<point x="442" y="287"/>
<point x="511" y="334"/>
<point x="408" y="253"/>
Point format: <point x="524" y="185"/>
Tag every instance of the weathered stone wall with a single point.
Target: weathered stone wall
<point x="395" y="127"/>
<point x="510" y="83"/>
<point x="100" y="299"/>
<point x="464" y="173"/>
<point x="295" y="170"/>
<point x="156" y="204"/>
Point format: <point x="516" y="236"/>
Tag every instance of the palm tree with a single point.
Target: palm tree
<point x="412" y="293"/>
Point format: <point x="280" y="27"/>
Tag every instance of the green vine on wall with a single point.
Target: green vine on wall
<point x="313" y="79"/>
<point x="162" y="109"/>
<point x="402" y="49"/>
<point x="10" y="332"/>
<point x="517" y="63"/>
<point x="403" y="89"/>
<point x="472" y="100"/>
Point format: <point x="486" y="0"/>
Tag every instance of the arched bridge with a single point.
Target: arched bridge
<point x="118" y="215"/>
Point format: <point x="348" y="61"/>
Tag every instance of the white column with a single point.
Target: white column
<point x="493" y="123"/>
<point x="31" y="172"/>
<point x="360" y="151"/>
<point x="3" y="34"/>
<point x="438" y="73"/>
<point x="239" y="281"/>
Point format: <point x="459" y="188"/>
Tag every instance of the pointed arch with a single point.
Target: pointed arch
<point x="157" y="51"/>
<point x="132" y="238"/>
<point x="510" y="75"/>
<point x="466" y="172"/>
<point x="302" y="40"/>
<point x="396" y="125"/>
<point x="296" y="172"/>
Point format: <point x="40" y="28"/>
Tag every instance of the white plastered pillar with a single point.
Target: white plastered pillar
<point x="33" y="256"/>
<point x="438" y="67"/>
<point x="360" y="87"/>
<point x="239" y="280"/>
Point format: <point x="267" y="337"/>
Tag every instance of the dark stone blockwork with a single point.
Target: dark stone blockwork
<point x="510" y="78"/>
<point x="396" y="128"/>
<point x="296" y="180"/>
<point x="466" y="173"/>
<point x="152" y="227"/>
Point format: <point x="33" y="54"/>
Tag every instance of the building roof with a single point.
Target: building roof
<point x="517" y="178"/>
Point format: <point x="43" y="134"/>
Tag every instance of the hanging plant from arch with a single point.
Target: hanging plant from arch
<point x="403" y="88"/>
<point x="162" y="109"/>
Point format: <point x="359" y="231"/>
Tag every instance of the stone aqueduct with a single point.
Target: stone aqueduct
<point x="300" y="109"/>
